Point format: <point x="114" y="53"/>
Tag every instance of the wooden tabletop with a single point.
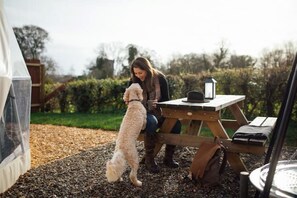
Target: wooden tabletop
<point x="220" y="102"/>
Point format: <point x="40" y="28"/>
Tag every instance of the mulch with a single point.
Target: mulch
<point x="49" y="143"/>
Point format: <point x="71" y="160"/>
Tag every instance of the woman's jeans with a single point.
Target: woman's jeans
<point x="152" y="125"/>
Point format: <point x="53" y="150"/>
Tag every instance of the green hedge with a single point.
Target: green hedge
<point x="264" y="90"/>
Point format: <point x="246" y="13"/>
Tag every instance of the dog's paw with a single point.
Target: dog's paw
<point x="190" y="175"/>
<point x="137" y="183"/>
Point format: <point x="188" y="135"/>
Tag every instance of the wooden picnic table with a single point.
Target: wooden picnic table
<point x="209" y="114"/>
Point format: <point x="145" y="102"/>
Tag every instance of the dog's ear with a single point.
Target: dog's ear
<point x="139" y="94"/>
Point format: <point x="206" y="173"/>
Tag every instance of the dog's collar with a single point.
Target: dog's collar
<point x="134" y="100"/>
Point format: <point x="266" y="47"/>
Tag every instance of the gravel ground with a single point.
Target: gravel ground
<point x="83" y="175"/>
<point x="70" y="162"/>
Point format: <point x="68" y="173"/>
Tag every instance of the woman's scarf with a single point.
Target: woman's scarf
<point x="151" y="91"/>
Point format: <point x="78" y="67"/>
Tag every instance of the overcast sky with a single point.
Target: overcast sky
<point x="78" y="27"/>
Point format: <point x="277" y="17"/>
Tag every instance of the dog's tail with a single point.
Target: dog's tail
<point x="116" y="166"/>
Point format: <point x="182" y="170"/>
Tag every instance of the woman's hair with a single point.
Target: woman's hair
<point x="143" y="64"/>
<point x="151" y="84"/>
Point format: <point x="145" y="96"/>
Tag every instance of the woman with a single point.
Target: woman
<point x="155" y="89"/>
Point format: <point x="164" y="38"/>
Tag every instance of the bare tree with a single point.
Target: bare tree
<point x="278" y="57"/>
<point x="120" y="56"/>
<point x="219" y="58"/>
<point x="189" y="64"/>
<point x="290" y="51"/>
<point x="51" y="67"/>
<point x="132" y="53"/>
<point x="241" y="61"/>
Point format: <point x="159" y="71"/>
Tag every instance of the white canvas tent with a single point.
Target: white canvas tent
<point x="15" y="104"/>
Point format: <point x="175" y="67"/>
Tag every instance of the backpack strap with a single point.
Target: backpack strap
<point x="223" y="148"/>
<point x="224" y="161"/>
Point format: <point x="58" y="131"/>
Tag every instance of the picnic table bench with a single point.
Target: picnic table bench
<point x="239" y="146"/>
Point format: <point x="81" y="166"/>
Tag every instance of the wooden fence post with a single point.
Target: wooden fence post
<point x="36" y="71"/>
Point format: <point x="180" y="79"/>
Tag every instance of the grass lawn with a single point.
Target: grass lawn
<point x="112" y="121"/>
<point x="107" y="121"/>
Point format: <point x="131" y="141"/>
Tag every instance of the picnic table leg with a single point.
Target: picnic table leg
<point x="194" y="127"/>
<point x="233" y="158"/>
<point x="238" y="114"/>
<point x="166" y="127"/>
<point x="217" y="129"/>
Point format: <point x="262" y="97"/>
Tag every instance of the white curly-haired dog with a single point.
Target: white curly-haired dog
<point x="125" y="150"/>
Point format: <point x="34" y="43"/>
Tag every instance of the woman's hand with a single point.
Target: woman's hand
<point x="155" y="103"/>
<point x="152" y="104"/>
